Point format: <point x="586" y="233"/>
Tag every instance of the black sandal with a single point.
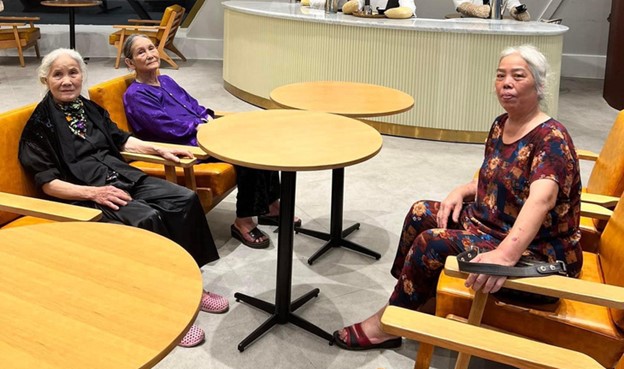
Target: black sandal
<point x="255" y="235"/>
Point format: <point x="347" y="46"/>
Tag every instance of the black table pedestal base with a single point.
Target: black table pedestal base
<point x="336" y="237"/>
<point x="276" y="318"/>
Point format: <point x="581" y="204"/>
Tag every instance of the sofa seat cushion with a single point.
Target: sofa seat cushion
<point x="27" y="35"/>
<point x="578" y="326"/>
<point x="25" y="221"/>
<point x="219" y="177"/>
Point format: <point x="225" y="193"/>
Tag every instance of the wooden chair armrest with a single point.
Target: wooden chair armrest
<point x="13" y="25"/>
<point x="602" y="200"/>
<point x="144" y="21"/>
<point x="219" y="114"/>
<point x="556" y="286"/>
<point x="139" y="27"/>
<point x="19" y="19"/>
<point x="196" y="151"/>
<point x="184" y="162"/>
<point x="491" y="345"/>
<point x="46" y="209"/>
<point x="586" y="155"/>
<point x="595" y="211"/>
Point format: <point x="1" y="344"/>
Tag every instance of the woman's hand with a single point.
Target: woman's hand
<point x="489" y="283"/>
<point x="173" y="155"/>
<point x="109" y="196"/>
<point x="453" y="203"/>
<point x="135" y="145"/>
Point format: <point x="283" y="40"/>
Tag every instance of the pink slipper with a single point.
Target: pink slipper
<point x="213" y="303"/>
<point x="193" y="337"/>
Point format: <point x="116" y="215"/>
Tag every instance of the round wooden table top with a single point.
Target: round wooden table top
<point x="71" y="3"/>
<point x="356" y="100"/>
<point x="92" y="295"/>
<point x="289" y="140"/>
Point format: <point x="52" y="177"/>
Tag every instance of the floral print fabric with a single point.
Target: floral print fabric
<point x="504" y="179"/>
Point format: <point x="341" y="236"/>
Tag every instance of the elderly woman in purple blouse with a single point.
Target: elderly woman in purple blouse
<point x="158" y="109"/>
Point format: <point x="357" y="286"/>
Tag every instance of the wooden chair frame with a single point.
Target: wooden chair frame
<point x="17" y="24"/>
<point x="151" y="28"/>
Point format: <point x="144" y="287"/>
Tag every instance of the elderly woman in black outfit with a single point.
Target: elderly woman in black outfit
<point x="72" y="149"/>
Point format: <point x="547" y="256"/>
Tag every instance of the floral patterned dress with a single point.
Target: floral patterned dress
<point x="546" y="152"/>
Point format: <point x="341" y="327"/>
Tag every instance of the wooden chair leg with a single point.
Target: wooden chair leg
<point x="119" y="45"/>
<point x="37" y="50"/>
<point x="476" y="314"/>
<point x="189" y="178"/>
<point x="423" y="356"/>
<point x="167" y="58"/>
<point x="170" y="174"/>
<point x="19" y="47"/>
<point x="176" y="51"/>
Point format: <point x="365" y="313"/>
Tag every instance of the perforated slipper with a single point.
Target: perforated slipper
<point x="357" y="341"/>
<point x="255" y="235"/>
<point x="193" y="337"/>
<point x="213" y="303"/>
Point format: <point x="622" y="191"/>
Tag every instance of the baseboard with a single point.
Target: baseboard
<point x="583" y="66"/>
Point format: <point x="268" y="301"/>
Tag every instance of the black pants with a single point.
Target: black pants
<point x="167" y="209"/>
<point x="257" y="189"/>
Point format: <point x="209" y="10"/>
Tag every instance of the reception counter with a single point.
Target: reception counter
<point x="448" y="66"/>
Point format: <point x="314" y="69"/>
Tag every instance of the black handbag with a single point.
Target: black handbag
<point x="526" y="267"/>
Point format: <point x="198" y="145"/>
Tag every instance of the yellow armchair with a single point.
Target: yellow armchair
<point x="588" y="318"/>
<point x="212" y="181"/>
<point x="19" y="33"/>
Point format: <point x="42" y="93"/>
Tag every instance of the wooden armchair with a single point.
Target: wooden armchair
<point x="606" y="181"/>
<point x="588" y="318"/>
<point x="20" y="202"/>
<point x="212" y="181"/>
<point x="161" y="33"/>
<point x="19" y="33"/>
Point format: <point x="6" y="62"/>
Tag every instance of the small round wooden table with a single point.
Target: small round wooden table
<point x="71" y="5"/>
<point x="349" y="99"/>
<point x="93" y="295"/>
<point x="299" y="141"/>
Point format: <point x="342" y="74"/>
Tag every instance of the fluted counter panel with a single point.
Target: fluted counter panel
<point x="449" y="72"/>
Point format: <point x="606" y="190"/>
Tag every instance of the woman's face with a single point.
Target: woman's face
<point x="515" y="85"/>
<point x="145" y="57"/>
<point x="64" y="79"/>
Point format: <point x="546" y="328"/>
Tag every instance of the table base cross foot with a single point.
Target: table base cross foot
<point x="336" y="237"/>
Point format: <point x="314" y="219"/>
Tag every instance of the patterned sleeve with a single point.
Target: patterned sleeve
<point x="554" y="158"/>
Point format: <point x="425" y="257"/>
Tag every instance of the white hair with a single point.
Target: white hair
<point x="48" y="60"/>
<point x="538" y="66"/>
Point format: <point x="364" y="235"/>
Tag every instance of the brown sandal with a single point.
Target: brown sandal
<point x="255" y="235"/>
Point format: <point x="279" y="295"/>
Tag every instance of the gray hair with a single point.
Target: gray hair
<point x="538" y="66"/>
<point x="48" y="60"/>
<point x="127" y="46"/>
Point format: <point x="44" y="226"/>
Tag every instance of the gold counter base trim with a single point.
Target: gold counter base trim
<point x="383" y="127"/>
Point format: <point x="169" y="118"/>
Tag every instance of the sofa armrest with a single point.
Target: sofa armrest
<point x="492" y="345"/>
<point x="184" y="162"/>
<point x="602" y="200"/>
<point x="46" y="209"/>
<point x="595" y="211"/>
<point x="556" y="286"/>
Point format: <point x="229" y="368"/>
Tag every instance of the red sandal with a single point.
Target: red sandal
<point x="357" y="341"/>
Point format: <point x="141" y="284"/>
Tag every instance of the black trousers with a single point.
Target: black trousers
<point x="167" y="209"/>
<point x="257" y="189"/>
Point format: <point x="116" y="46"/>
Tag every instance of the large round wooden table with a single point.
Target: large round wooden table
<point x="349" y="99"/>
<point x="92" y="295"/>
<point x="288" y="141"/>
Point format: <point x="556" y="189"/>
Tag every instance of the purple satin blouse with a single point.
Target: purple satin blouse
<point x="165" y="113"/>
